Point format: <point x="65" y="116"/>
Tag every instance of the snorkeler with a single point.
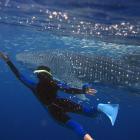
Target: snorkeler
<point x="46" y="91"/>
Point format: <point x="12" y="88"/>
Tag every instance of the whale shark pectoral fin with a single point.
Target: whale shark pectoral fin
<point x="82" y="97"/>
<point x="75" y="82"/>
<point x="132" y="59"/>
<point x="135" y="88"/>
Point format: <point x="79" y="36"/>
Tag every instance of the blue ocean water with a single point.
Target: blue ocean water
<point x="107" y="28"/>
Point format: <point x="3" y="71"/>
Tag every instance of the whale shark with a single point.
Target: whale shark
<point x="76" y="68"/>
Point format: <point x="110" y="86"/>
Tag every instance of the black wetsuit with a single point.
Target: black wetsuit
<point x="46" y="92"/>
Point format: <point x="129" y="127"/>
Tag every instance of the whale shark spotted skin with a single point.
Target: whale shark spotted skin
<point x="77" y="68"/>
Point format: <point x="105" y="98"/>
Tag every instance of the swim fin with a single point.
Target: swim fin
<point x="111" y="110"/>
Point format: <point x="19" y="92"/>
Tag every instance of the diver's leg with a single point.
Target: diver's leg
<point x="70" y="106"/>
<point x="78" y="129"/>
<point x="58" y="114"/>
<point x="90" y="111"/>
<point x="110" y="110"/>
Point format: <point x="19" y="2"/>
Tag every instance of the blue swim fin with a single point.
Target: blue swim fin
<point x="111" y="110"/>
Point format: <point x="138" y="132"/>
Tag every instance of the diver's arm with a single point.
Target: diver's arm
<point x="72" y="90"/>
<point x="30" y="84"/>
<point x="66" y="88"/>
<point x="86" y="89"/>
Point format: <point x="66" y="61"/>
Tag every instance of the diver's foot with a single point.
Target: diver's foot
<point x="88" y="137"/>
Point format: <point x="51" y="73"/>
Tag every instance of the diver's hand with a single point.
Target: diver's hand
<point x="91" y="91"/>
<point x="88" y="137"/>
<point x="88" y="89"/>
<point x="4" y="57"/>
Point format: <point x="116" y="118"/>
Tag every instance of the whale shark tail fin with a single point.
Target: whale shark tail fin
<point x="111" y="110"/>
